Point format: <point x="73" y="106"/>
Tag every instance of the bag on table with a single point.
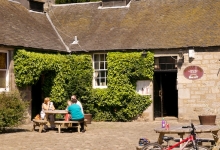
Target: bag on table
<point x="143" y="141"/>
<point x="37" y="117"/>
<point x="42" y="114"/>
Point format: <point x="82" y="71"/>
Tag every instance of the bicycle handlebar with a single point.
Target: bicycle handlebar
<point x="193" y="128"/>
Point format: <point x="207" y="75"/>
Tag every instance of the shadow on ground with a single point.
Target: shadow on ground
<point x="13" y="130"/>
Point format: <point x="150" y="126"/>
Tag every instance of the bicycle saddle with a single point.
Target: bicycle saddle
<point x="167" y="138"/>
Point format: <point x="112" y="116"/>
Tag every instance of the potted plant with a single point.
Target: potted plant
<point x="209" y="116"/>
<point x="207" y="119"/>
<point x="88" y="116"/>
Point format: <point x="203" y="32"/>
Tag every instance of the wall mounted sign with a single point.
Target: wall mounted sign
<point x="193" y="72"/>
<point x="143" y="87"/>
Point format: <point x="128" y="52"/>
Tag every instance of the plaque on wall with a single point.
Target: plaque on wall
<point x="143" y="87"/>
<point x="193" y="72"/>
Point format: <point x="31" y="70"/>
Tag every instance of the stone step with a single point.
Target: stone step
<point x="168" y="118"/>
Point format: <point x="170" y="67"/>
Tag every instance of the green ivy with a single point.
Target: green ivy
<point x="64" y="75"/>
<point x="120" y="101"/>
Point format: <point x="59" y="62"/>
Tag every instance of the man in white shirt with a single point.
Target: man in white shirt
<point x="78" y="102"/>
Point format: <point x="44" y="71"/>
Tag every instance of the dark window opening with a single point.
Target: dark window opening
<point x="36" y="6"/>
<point x="165" y="63"/>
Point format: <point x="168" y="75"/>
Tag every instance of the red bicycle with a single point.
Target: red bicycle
<point x="190" y="143"/>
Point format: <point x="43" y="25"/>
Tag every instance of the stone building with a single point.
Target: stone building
<point x="184" y="35"/>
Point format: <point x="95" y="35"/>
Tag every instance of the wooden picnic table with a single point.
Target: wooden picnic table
<point x="56" y="111"/>
<point x="63" y="123"/>
<point x="48" y="112"/>
<point x="182" y="131"/>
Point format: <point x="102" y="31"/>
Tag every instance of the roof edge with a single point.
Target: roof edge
<point x="67" y="48"/>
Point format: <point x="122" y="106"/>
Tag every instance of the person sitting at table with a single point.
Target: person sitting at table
<point x="73" y="97"/>
<point x="76" y="113"/>
<point x="47" y="105"/>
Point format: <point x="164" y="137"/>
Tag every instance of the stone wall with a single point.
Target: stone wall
<point x="201" y="96"/>
<point x="24" y="92"/>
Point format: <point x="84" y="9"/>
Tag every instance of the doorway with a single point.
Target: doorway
<point x="165" y="88"/>
<point x="37" y="100"/>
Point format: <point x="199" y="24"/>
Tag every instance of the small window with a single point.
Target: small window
<point x="100" y="67"/>
<point x="3" y="71"/>
<point x="165" y="63"/>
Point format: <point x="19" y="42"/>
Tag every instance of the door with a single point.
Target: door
<point x="36" y="102"/>
<point x="165" y="89"/>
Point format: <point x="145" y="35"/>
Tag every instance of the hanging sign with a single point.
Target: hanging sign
<point x="193" y="72"/>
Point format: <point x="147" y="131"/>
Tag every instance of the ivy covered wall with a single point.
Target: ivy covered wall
<point x="65" y="75"/>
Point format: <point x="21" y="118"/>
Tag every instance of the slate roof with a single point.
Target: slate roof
<point x="23" y="28"/>
<point x="146" y="24"/>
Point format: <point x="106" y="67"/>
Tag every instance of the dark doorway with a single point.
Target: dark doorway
<point x="36" y="98"/>
<point x="165" y="90"/>
<point x="165" y="94"/>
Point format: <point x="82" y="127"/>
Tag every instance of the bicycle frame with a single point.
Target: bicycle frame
<point x="186" y="141"/>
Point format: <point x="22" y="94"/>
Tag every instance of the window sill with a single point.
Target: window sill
<point x="99" y="87"/>
<point x="4" y="90"/>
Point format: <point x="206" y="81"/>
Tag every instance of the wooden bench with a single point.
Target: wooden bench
<point x="212" y="141"/>
<point x="200" y="140"/>
<point x="39" y="123"/>
<point x="70" y="124"/>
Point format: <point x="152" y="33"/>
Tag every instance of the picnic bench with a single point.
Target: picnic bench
<point x="39" y="123"/>
<point x="213" y="129"/>
<point x="70" y="124"/>
<point x="200" y="140"/>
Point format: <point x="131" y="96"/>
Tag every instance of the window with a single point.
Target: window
<point x="100" y="67"/>
<point x="165" y="63"/>
<point x="3" y="71"/>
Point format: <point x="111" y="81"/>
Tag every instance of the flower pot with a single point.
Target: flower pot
<point x="88" y="117"/>
<point x="207" y="119"/>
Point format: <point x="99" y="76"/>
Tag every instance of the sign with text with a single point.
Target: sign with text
<point x="193" y="72"/>
<point x="143" y="87"/>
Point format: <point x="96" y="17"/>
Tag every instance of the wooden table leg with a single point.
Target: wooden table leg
<point x="181" y="138"/>
<point x="47" y="119"/>
<point x="215" y="136"/>
<point x="41" y="127"/>
<point x="160" y="139"/>
<point x="59" y="126"/>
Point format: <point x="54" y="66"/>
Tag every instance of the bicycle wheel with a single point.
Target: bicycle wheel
<point x="198" y="148"/>
<point x="152" y="146"/>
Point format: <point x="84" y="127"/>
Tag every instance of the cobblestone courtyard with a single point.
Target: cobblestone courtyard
<point x="99" y="136"/>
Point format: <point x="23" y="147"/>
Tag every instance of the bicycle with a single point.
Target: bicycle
<point x="190" y="143"/>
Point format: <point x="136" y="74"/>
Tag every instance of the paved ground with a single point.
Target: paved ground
<point x="99" y="136"/>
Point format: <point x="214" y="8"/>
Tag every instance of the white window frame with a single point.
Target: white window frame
<point x="6" y="89"/>
<point x="94" y="74"/>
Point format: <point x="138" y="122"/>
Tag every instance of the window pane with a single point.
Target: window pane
<point x="2" y="79"/>
<point x="105" y="65"/>
<point x="105" y="57"/>
<point x="96" y="57"/>
<point x="97" y="82"/>
<point x="3" y="60"/>
<point x="102" y="57"/>
<point x="102" y="79"/>
<point x="102" y="65"/>
<point x="103" y="83"/>
<point x="96" y="65"/>
<point x="102" y="74"/>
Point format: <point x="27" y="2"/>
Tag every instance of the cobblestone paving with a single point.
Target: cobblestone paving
<point x="99" y="136"/>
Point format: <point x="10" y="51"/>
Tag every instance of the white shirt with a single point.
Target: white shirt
<point x="79" y="103"/>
